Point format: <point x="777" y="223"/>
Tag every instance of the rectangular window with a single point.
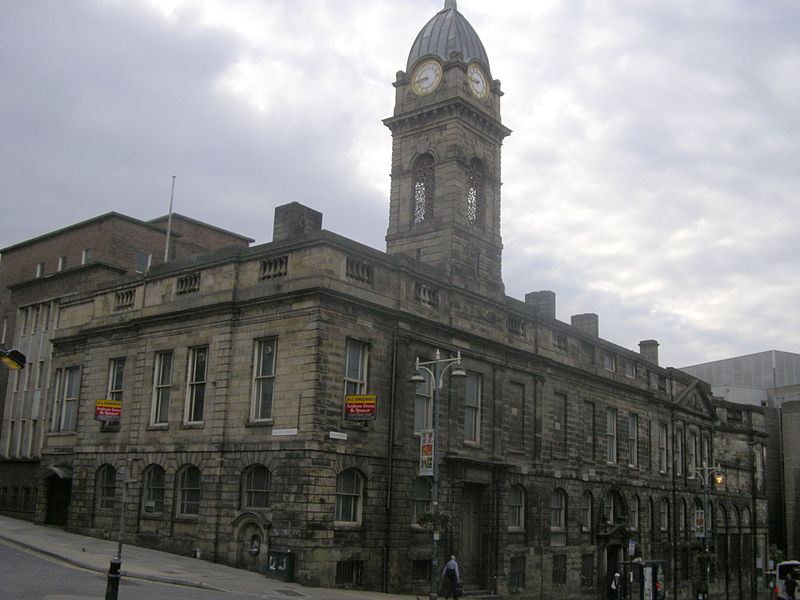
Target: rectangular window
<point x="143" y="262"/>
<point x="679" y="453"/>
<point x="662" y="448"/>
<point x="196" y="384"/>
<point x="423" y="406"/>
<point x="633" y="440"/>
<point x="515" y="409"/>
<point x="421" y="570"/>
<point x="611" y="435"/>
<point x="559" y="569"/>
<point x="472" y="407"/>
<point x="630" y="369"/>
<point x="162" y="385"/>
<point x="65" y="408"/>
<point x="588" y="430"/>
<point x="609" y="362"/>
<point x="86" y="255"/>
<point x="62" y="263"/>
<point x="691" y="454"/>
<point x="348" y="572"/>
<point x="24" y="316"/>
<point x="263" y="379"/>
<point x="40" y="269"/>
<point x="36" y="312"/>
<point x="560" y="425"/>
<point x="355" y="376"/>
<point x="47" y="311"/>
<point x="116" y="377"/>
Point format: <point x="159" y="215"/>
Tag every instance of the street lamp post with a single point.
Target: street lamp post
<point x="421" y="374"/>
<point x="112" y="581"/>
<point x="704" y="473"/>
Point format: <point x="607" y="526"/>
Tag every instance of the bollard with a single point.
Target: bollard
<point x="112" y="586"/>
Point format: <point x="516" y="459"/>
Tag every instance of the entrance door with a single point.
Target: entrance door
<point x="58" y="495"/>
<point x="472" y="537"/>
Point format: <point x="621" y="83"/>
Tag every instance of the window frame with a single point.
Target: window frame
<point x="196" y="387"/>
<point x="473" y="398"/>
<point x="663" y="447"/>
<point x="187" y="497"/>
<point x="516" y="508"/>
<point x="350" y="513"/>
<point x="153" y="490"/>
<point x="356" y="373"/>
<point x="116" y="379"/>
<point x="587" y="502"/>
<point x="65" y="406"/>
<point x="611" y="435"/>
<point x="633" y="440"/>
<point x="162" y="387"/>
<point x="421" y="504"/>
<point x="105" y="487"/>
<point x="263" y="383"/>
<point x="423" y="406"/>
<point x="252" y="488"/>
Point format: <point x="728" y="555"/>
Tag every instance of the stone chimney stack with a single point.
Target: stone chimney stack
<point x="293" y="220"/>
<point x="587" y="323"/>
<point x="649" y="350"/>
<point x="543" y="302"/>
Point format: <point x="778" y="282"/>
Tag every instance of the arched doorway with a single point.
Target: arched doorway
<point x="59" y="491"/>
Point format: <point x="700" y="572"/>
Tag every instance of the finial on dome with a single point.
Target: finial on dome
<point x="450" y="4"/>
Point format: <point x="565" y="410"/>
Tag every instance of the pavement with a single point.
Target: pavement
<point x="143" y="563"/>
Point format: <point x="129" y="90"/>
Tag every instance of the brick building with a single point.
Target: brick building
<point x="34" y="276"/>
<point x="561" y="456"/>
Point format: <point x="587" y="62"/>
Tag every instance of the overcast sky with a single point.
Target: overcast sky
<point x="652" y="176"/>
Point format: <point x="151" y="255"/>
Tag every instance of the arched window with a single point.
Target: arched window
<point x="106" y="480"/>
<point x="476" y="198"/>
<point x="424" y="177"/>
<point x="516" y="507"/>
<point x="153" y="489"/>
<point x="421" y="498"/>
<point x="255" y="487"/>
<point x="188" y="489"/>
<point x="349" y="486"/>
<point x="586" y="511"/>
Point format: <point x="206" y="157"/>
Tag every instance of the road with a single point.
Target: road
<point x="27" y="575"/>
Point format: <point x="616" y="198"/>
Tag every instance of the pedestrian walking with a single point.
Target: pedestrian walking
<point x="451" y="576"/>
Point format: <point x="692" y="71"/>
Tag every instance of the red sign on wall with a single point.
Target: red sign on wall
<point x="107" y="410"/>
<point x="359" y="408"/>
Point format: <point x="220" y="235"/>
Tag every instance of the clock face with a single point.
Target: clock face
<point x="478" y="84"/>
<point x="426" y="77"/>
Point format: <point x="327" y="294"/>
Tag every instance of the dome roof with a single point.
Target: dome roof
<point x="448" y="31"/>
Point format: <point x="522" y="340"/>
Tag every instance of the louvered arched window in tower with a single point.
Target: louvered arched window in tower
<point x="424" y="183"/>
<point x="476" y="200"/>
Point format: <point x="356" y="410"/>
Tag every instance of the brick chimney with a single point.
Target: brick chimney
<point x="649" y="350"/>
<point x="587" y="323"/>
<point x="293" y="220"/>
<point x="543" y="302"/>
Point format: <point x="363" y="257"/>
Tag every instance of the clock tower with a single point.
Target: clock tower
<point x="444" y="206"/>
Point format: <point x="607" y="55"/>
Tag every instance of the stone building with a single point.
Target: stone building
<point x="34" y="275"/>
<point x="770" y="379"/>
<point x="267" y="412"/>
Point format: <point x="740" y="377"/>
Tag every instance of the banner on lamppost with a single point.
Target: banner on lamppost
<point x="426" y="452"/>
<point x="700" y="523"/>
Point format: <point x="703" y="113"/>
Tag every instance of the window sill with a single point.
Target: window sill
<point x="187" y="518"/>
<point x="158" y="427"/>
<point x="260" y="423"/>
<point x="152" y="516"/>
<point x="192" y="425"/>
<point x="346" y="526"/>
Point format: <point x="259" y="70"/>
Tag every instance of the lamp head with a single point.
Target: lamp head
<point x="417" y="377"/>
<point x="458" y="371"/>
<point x="719" y="478"/>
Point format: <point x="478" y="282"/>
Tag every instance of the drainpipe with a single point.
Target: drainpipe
<point x="390" y="474"/>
